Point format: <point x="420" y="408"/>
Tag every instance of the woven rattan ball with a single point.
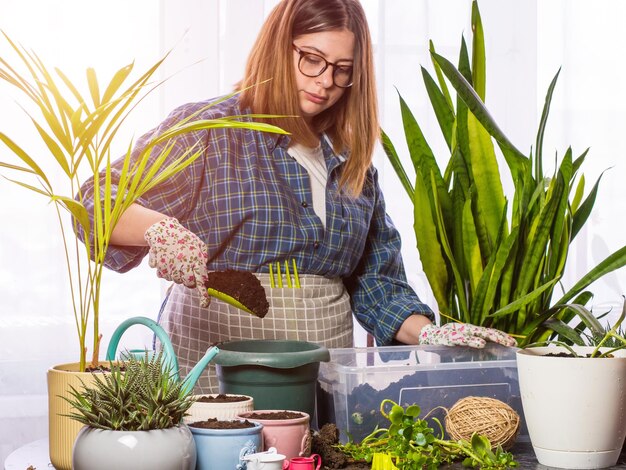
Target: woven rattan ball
<point x="492" y="418"/>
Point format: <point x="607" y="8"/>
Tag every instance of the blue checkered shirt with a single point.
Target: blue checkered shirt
<point x="251" y="203"/>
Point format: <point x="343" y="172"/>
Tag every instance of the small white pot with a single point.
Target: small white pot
<point x="574" y="408"/>
<point x="222" y="411"/>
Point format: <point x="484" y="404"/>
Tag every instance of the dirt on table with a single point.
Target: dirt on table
<point x="214" y="423"/>
<point x="323" y="442"/>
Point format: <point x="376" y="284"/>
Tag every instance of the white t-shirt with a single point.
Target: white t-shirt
<point x="312" y="160"/>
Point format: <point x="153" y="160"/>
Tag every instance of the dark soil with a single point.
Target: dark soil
<point x="565" y="354"/>
<point x="214" y="423"/>
<point x="323" y="443"/>
<point x="274" y="415"/>
<point x="243" y="286"/>
<point x="221" y="398"/>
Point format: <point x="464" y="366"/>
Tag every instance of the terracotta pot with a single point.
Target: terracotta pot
<point x="201" y="411"/>
<point x="159" y="449"/>
<point x="290" y="437"/>
<point x="574" y="407"/>
<point x="62" y="431"/>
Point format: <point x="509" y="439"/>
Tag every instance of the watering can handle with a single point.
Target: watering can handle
<point x="168" y="349"/>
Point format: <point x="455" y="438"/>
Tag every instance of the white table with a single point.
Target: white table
<point x="33" y="454"/>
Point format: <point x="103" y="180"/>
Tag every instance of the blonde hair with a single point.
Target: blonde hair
<point x="351" y="123"/>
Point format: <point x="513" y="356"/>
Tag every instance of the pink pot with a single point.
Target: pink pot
<point x="290" y="437"/>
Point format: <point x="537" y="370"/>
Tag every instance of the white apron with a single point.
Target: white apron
<point x="318" y="312"/>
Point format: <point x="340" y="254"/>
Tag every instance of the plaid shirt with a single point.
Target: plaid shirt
<point x="251" y="203"/>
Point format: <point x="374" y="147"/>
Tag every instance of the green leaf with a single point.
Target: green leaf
<point x="515" y="158"/>
<point x="441" y="107"/>
<point x="396" y="164"/>
<point x="542" y="127"/>
<point x="582" y="214"/>
<point x="479" y="70"/>
<point x="428" y="244"/>
<point x="523" y="300"/>
<point x="20" y="153"/>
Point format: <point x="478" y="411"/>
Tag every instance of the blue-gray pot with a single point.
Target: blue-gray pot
<point x="225" y="449"/>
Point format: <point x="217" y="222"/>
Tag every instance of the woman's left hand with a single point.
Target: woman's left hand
<point x="463" y="334"/>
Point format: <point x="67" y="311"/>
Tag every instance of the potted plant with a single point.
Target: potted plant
<point x="223" y="444"/>
<point x="286" y="430"/>
<point x="221" y="406"/>
<point x="79" y="132"/>
<point x="491" y="260"/>
<point x="142" y="402"/>
<point x="586" y="428"/>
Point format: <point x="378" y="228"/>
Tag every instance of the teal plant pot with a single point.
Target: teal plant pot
<point x="225" y="449"/>
<point x="278" y="374"/>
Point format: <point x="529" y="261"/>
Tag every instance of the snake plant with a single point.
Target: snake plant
<point x="492" y="260"/>
<point x="78" y="132"/>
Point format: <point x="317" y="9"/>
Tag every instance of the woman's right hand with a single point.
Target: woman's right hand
<point x="178" y="255"/>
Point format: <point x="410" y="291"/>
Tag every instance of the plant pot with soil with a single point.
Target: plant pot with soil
<point x="573" y="400"/>
<point x="222" y="406"/>
<point x="286" y="430"/>
<point x="223" y="444"/>
<point x="133" y="420"/>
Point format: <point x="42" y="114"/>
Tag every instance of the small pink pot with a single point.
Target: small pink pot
<point x="290" y="437"/>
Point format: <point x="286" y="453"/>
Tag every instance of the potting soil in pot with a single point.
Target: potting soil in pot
<point x="214" y="423"/>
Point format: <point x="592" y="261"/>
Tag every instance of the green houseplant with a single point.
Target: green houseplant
<point x="567" y="433"/>
<point x="140" y="399"/>
<point x="491" y="260"/>
<point x="78" y="132"/>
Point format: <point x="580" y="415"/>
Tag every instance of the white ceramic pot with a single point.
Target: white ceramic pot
<point x="575" y="408"/>
<point x="224" y="411"/>
<point x="159" y="449"/>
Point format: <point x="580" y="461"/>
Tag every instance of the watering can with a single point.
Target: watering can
<point x="168" y="350"/>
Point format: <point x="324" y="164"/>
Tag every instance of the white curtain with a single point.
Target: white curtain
<point x="209" y="39"/>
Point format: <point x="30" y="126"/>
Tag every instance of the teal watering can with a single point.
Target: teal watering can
<point x="169" y="356"/>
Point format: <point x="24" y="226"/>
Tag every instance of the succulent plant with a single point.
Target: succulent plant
<point x="137" y="395"/>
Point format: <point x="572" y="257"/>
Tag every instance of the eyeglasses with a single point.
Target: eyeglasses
<point x="313" y="65"/>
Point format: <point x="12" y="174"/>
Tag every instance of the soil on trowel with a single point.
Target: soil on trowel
<point x="323" y="442"/>
<point x="274" y="415"/>
<point x="221" y="398"/>
<point x="243" y="286"/>
<point x="214" y="423"/>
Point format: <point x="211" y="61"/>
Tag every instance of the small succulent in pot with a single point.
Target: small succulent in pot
<point x="137" y="395"/>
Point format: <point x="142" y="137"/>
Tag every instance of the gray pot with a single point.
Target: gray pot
<point x="158" y="449"/>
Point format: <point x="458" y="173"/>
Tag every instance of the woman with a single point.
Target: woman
<point x="254" y="199"/>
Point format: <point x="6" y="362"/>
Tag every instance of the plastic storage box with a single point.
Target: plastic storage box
<point x="355" y="381"/>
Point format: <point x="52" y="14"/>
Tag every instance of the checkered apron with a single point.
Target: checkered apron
<point x="318" y="312"/>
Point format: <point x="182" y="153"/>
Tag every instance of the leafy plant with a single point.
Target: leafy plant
<point x="611" y="338"/>
<point x="410" y="443"/>
<point x="489" y="260"/>
<point x="138" y="395"/>
<point x="78" y="134"/>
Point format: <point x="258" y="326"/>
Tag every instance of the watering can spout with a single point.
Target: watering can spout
<point x="196" y="372"/>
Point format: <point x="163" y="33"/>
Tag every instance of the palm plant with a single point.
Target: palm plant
<point x="78" y="134"/>
<point x="491" y="261"/>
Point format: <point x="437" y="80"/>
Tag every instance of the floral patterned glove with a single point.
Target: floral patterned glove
<point x="463" y="334"/>
<point x="178" y="255"/>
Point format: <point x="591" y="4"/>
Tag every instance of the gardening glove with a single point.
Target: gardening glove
<point x="463" y="334"/>
<point x="178" y="255"/>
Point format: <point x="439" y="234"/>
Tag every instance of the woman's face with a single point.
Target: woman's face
<point x="317" y="94"/>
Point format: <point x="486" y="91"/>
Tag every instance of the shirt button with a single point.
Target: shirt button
<point x="305" y="204"/>
<point x="316" y="245"/>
